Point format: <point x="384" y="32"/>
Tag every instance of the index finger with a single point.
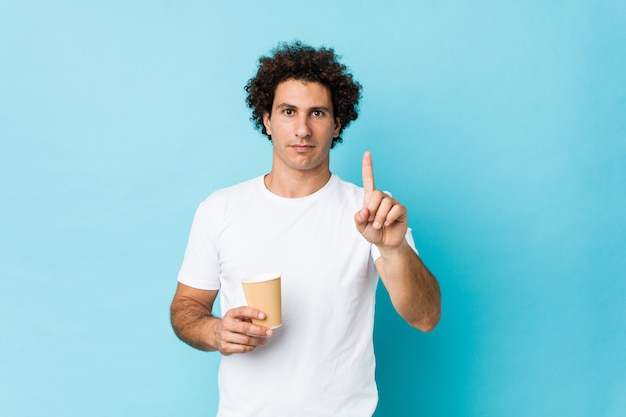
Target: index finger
<point x="246" y="312"/>
<point x="246" y="320"/>
<point x="368" y="175"/>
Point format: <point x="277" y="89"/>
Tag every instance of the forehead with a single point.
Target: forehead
<point x="302" y="93"/>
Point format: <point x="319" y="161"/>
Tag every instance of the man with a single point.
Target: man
<point x="329" y="239"/>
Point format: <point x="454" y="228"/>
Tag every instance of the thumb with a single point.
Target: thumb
<point x="361" y="218"/>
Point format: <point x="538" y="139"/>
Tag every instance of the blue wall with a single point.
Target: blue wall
<point x="501" y="126"/>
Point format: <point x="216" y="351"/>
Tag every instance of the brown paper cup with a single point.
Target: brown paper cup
<point x="263" y="292"/>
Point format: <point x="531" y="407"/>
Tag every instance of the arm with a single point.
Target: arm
<point x="413" y="290"/>
<point x="382" y="221"/>
<point x="195" y="325"/>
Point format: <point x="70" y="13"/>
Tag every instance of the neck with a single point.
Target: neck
<point x="296" y="186"/>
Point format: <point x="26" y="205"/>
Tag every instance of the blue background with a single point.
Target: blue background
<point x="501" y="125"/>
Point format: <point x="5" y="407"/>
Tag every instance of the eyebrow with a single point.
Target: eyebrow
<point x="287" y="105"/>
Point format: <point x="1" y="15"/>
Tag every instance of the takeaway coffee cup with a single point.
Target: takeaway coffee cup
<point x="263" y="292"/>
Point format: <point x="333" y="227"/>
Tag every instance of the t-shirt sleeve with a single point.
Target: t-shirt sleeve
<point x="200" y="268"/>
<point x="409" y="239"/>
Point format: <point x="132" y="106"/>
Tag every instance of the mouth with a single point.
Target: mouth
<point x="301" y="147"/>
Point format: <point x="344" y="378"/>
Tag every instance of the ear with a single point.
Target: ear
<point x="337" y="127"/>
<point x="267" y="123"/>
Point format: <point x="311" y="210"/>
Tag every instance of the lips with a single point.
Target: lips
<point x="301" y="147"/>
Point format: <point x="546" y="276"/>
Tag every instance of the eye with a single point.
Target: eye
<point x="288" y="112"/>
<point x="317" y="113"/>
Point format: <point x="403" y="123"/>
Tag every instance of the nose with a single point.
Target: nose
<point x="302" y="128"/>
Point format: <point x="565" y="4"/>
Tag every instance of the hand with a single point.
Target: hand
<point x="235" y="333"/>
<point x="383" y="220"/>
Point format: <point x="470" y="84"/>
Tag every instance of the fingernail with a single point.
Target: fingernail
<point x="261" y="316"/>
<point x="269" y="333"/>
<point x="376" y="225"/>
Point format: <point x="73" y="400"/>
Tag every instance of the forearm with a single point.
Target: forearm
<point x="413" y="290"/>
<point x="194" y="324"/>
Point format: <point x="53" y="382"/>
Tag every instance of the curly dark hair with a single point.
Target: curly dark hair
<point x="303" y="62"/>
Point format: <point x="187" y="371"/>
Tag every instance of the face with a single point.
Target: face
<point x="302" y="126"/>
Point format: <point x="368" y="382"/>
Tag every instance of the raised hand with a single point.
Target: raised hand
<point x="383" y="220"/>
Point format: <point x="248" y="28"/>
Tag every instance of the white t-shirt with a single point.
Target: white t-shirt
<point x="321" y="361"/>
